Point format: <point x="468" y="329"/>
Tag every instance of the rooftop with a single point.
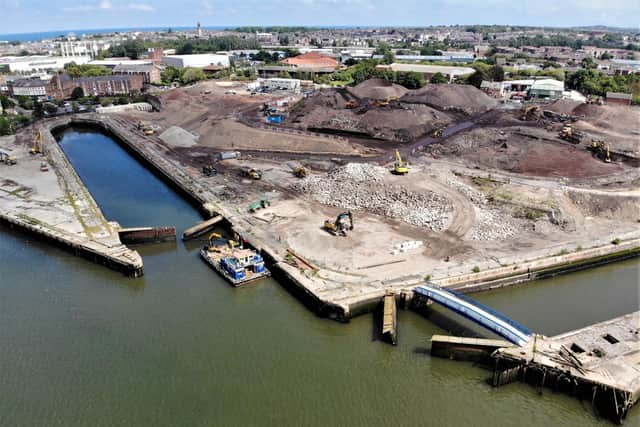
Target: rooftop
<point x="311" y="59"/>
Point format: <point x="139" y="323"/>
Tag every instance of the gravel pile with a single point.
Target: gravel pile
<point x="358" y="186"/>
<point x="175" y="136"/>
<point x="492" y="224"/>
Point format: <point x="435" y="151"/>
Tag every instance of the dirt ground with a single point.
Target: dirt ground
<point x="515" y="188"/>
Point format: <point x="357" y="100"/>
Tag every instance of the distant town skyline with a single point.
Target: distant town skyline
<point x="22" y="16"/>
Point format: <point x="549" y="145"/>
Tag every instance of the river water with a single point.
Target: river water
<point x="81" y="345"/>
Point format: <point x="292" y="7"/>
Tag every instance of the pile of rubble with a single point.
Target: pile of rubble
<point x="492" y="224"/>
<point x="359" y="186"/>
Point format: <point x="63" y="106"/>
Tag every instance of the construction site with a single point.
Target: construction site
<point x="358" y="191"/>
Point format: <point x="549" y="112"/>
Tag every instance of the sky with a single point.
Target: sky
<point x="20" y="16"/>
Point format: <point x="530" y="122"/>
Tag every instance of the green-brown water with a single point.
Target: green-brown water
<point x="81" y="345"/>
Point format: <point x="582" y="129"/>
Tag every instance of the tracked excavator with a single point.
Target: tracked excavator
<point x="36" y="146"/>
<point x="342" y="224"/>
<point x="399" y="166"/>
<point x="568" y="133"/>
<point x="601" y="149"/>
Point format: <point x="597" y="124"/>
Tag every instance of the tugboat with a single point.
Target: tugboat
<point x="236" y="264"/>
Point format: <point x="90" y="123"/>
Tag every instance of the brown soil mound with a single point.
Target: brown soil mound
<point x="387" y="123"/>
<point x="609" y="116"/>
<point x="463" y="98"/>
<point x="378" y="89"/>
<point x="508" y="149"/>
<point x="564" y="106"/>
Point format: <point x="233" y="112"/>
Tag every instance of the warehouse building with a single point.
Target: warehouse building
<point x="150" y="72"/>
<point x="428" y="71"/>
<point x="33" y="88"/>
<point x="546" y="89"/>
<point x="32" y="64"/>
<point x="198" y="60"/>
<point x="98" y="86"/>
<point x="619" y="98"/>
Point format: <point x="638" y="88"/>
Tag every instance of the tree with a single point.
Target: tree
<point x="496" y="73"/>
<point x="6" y="102"/>
<point x="388" y="58"/>
<point x="38" y="110"/>
<point x="77" y="93"/>
<point x="587" y="63"/>
<point x="605" y="56"/>
<point x="192" y="75"/>
<point x="75" y="107"/>
<point x="6" y="126"/>
<point x="170" y="74"/>
<point x="439" y="78"/>
<point x="50" y="108"/>
<point x="476" y="78"/>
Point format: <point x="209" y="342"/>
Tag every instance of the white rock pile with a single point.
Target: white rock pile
<point x="359" y="186"/>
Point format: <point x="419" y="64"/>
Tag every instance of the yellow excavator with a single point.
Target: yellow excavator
<point x="568" y="133"/>
<point x="602" y="150"/>
<point x="213" y="247"/>
<point x="437" y="133"/>
<point x="36" y="146"/>
<point x="399" y="166"/>
<point x="339" y="227"/>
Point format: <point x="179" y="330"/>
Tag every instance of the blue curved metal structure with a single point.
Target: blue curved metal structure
<point x="479" y="313"/>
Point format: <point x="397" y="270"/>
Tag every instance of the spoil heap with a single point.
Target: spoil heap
<point x="361" y="186"/>
<point x="378" y="89"/>
<point x="458" y="98"/>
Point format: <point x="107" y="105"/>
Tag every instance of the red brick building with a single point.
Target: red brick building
<point x="99" y="86"/>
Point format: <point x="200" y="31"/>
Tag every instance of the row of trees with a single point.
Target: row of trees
<point x="593" y="82"/>
<point x="366" y="69"/>
<point x="86" y="70"/>
<point x="182" y="75"/>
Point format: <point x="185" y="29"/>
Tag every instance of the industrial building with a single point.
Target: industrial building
<point x="98" y="86"/>
<point x="619" y="98"/>
<point x="31" y="64"/>
<point x="546" y="89"/>
<point x="273" y="84"/>
<point x="428" y="71"/>
<point x="198" y="60"/>
<point x="150" y="72"/>
<point x="37" y="87"/>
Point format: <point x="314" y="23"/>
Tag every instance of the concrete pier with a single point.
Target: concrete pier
<point x="333" y="293"/>
<point x="462" y="348"/>
<point x="56" y="207"/>
<point x="201" y="228"/>
<point x="390" y="318"/>
<point x="598" y="363"/>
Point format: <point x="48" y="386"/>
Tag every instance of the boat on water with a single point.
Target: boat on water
<point x="239" y="266"/>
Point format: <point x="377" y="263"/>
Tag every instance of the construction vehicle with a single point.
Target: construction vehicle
<point x="351" y="104"/>
<point x="568" y="133"/>
<point x="148" y="131"/>
<point x="44" y="167"/>
<point x="145" y="128"/>
<point x="437" y="133"/>
<point x="601" y="149"/>
<point x="300" y="171"/>
<point x="251" y="173"/>
<point x="339" y="226"/>
<point x="36" y="146"/>
<point x="209" y="170"/>
<point x="7" y="159"/>
<point x="385" y="102"/>
<point x="260" y="204"/>
<point x="530" y="112"/>
<point x="216" y="240"/>
<point x="399" y="166"/>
